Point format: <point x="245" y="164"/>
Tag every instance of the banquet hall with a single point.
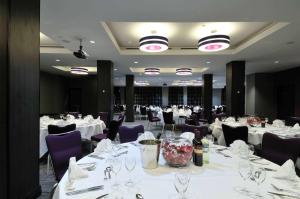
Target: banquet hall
<point x="149" y="99"/>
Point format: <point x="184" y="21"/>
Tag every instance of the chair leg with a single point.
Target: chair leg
<point x="173" y="127"/>
<point x="148" y="125"/>
<point x="163" y="128"/>
<point x="48" y="164"/>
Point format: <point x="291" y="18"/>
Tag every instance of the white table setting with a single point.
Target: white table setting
<point x="255" y="133"/>
<point x="87" y="126"/>
<point x="222" y="177"/>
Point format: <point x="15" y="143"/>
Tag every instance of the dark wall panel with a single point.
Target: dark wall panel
<point x="87" y="86"/>
<point x="175" y="95"/>
<point x="129" y="100"/>
<point x="194" y="95"/>
<point x="53" y="93"/>
<point x="148" y="96"/>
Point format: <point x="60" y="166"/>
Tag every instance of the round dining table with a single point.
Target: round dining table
<point x="86" y="129"/>
<point x="217" y="179"/>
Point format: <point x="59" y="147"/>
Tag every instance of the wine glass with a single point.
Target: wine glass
<point x="251" y="150"/>
<point x="116" y="165"/>
<point x="244" y="168"/>
<point x="181" y="184"/>
<point x="258" y="175"/>
<point x="210" y="139"/>
<point x="130" y="165"/>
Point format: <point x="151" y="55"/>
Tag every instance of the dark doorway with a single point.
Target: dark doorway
<point x="75" y="100"/>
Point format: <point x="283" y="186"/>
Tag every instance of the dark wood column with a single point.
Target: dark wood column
<point x="235" y="88"/>
<point x="129" y="98"/>
<point x="105" y="87"/>
<point x="207" y="96"/>
<point x="19" y="101"/>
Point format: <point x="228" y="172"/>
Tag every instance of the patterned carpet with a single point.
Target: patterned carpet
<point x="47" y="181"/>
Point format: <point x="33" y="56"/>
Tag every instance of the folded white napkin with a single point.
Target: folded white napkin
<point x="296" y="126"/>
<point x="239" y="147"/>
<point x="169" y="110"/>
<point x="147" y="135"/>
<point x="62" y="123"/>
<point x="278" y="123"/>
<point x="188" y="135"/>
<point x="218" y="122"/>
<point x="287" y="172"/>
<point x="103" y="146"/>
<point x="74" y="171"/>
<point x="230" y="119"/>
<point x="70" y="117"/>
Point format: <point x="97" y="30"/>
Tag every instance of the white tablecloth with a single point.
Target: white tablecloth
<point x="255" y="134"/>
<point x="176" y="115"/>
<point x="86" y="130"/>
<point x="215" y="180"/>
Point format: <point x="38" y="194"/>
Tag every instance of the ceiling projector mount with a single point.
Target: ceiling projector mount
<point x="81" y="54"/>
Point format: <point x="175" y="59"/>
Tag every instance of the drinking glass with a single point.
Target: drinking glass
<point x="210" y="139"/>
<point x="181" y="184"/>
<point x="244" y="168"/>
<point x="258" y="175"/>
<point x="116" y="165"/>
<point x="251" y="150"/>
<point x="130" y="165"/>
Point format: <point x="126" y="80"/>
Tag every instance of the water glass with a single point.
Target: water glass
<point x="181" y="184"/>
<point x="116" y="165"/>
<point x="258" y="175"/>
<point x="130" y="163"/>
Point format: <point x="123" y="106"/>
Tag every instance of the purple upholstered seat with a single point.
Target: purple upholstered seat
<point x="103" y="116"/>
<point x="111" y="132"/>
<point x="61" y="147"/>
<point x="191" y="128"/>
<point x="129" y="134"/>
<point x="279" y="150"/>
<point x="234" y="133"/>
<point x="151" y="118"/>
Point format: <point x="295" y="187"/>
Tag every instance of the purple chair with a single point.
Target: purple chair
<point x="279" y="150"/>
<point x="53" y="129"/>
<point x="151" y="118"/>
<point x="61" y="148"/>
<point x="234" y="133"/>
<point x="109" y="132"/>
<point x="168" y="120"/>
<point x="191" y="128"/>
<point x="129" y="134"/>
<point x="103" y="116"/>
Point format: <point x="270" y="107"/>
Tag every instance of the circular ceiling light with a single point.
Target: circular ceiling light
<point x="184" y="71"/>
<point x="79" y="71"/>
<point x="214" y="43"/>
<point x="151" y="71"/>
<point x="153" y="44"/>
<point x="141" y="83"/>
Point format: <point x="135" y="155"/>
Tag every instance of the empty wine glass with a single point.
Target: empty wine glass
<point x="251" y="150"/>
<point x="258" y="175"/>
<point x="181" y="184"/>
<point x="116" y="164"/>
<point x="210" y="139"/>
<point x="130" y="165"/>
<point x="244" y="168"/>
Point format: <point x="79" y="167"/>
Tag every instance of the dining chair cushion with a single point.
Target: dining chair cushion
<point x="53" y="129"/>
<point x="234" y="133"/>
<point x="279" y="150"/>
<point x="129" y="134"/>
<point x="61" y="148"/>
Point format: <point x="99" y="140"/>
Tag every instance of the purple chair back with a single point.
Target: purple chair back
<point x="150" y="115"/>
<point x="103" y="116"/>
<point x="53" y="129"/>
<point x="129" y="134"/>
<point x="168" y="117"/>
<point x="234" y="133"/>
<point x="279" y="150"/>
<point x="61" y="148"/>
<point x="191" y="128"/>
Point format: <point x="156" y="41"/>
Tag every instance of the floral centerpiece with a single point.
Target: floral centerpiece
<point x="177" y="151"/>
<point x="253" y="121"/>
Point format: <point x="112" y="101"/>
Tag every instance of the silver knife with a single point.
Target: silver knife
<point x="85" y="190"/>
<point x="119" y="154"/>
<point x="97" y="157"/>
<point x="102" y="196"/>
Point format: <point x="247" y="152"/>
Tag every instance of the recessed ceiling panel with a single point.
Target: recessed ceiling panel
<point x="183" y="37"/>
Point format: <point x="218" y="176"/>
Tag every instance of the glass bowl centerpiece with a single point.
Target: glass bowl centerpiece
<point x="177" y="151"/>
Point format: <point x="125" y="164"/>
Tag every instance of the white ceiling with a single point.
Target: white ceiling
<point x="67" y="21"/>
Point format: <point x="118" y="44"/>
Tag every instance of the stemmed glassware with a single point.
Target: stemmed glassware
<point x="130" y="165"/>
<point x="116" y="165"/>
<point x="181" y="184"/>
<point x="258" y="175"/>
